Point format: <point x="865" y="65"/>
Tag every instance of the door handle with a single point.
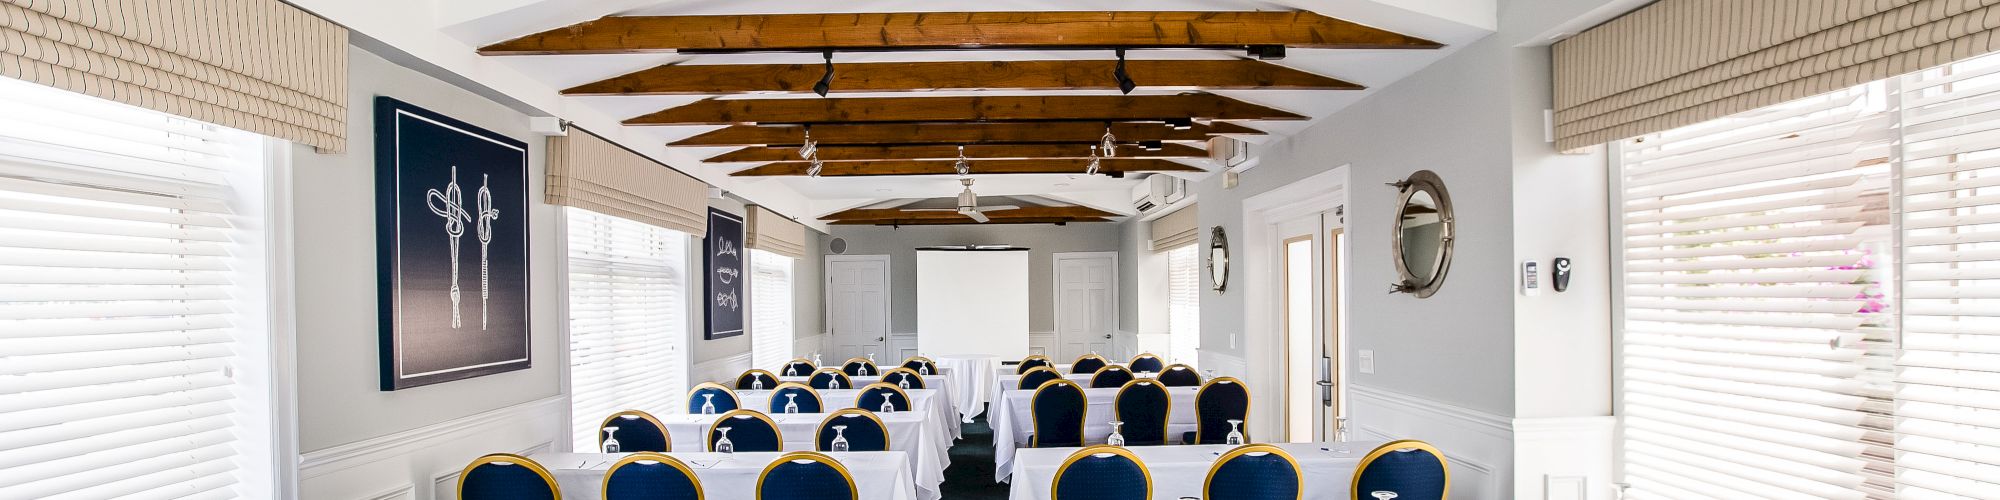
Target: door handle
<point x="1323" y="383"/>
<point x="1107" y="335"/>
<point x="878" y="339"/>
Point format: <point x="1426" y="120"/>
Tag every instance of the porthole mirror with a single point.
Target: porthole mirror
<point x="1424" y="231"/>
<point x="1218" y="259"/>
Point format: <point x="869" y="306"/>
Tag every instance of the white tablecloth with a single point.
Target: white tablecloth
<point x="970" y="391"/>
<point x="944" y="382"/>
<point x="1012" y="421"/>
<point x="1012" y="382"/>
<point x="928" y="400"/>
<point x="907" y="433"/>
<point x="877" y="474"/>
<point x="1180" y="471"/>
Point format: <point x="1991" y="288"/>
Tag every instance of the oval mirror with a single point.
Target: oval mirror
<point x="1218" y="259"/>
<point x="1423" y="234"/>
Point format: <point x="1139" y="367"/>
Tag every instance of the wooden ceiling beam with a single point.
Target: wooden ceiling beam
<point x="725" y="79"/>
<point x="1030" y="212"/>
<point x="948" y="152"/>
<point x="1109" y="166"/>
<point x="883" y="134"/>
<point x="956" y="31"/>
<point x="962" y="109"/>
<point x="966" y="221"/>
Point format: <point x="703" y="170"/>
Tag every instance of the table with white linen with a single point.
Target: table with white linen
<point x="907" y="433"/>
<point x="923" y="400"/>
<point x="970" y="390"/>
<point x="1012" y="382"/>
<point x="1013" y="420"/>
<point x="877" y="474"/>
<point x="942" y="382"/>
<point x="1181" y="471"/>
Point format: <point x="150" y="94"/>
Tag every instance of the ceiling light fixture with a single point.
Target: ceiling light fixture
<point x="1152" y="145"/>
<point x="810" y="148"/>
<point x="1108" y="142"/>
<point x="1180" y="123"/>
<point x="825" y="82"/>
<point x="813" y="171"/>
<point x="964" y="165"/>
<point x="1094" y="162"/>
<point x="1125" y="83"/>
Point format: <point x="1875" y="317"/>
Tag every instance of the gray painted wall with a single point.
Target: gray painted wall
<point x="1042" y="241"/>
<point x="806" y="307"/>
<point x="709" y="350"/>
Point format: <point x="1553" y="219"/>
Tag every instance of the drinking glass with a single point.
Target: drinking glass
<point x="1235" y="433"/>
<point x="610" y="441"/>
<point x="833" y="383"/>
<point x="924" y="369"/>
<point x="839" y="438"/>
<point x="791" y="370"/>
<point x="723" y="445"/>
<point x="888" y="406"/>
<point x="708" y="404"/>
<point x="756" y="383"/>
<point x="1117" y="438"/>
<point x="792" y="403"/>
<point x="816" y="361"/>
<point x="904" y="382"/>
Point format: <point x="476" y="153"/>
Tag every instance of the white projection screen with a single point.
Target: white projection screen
<point x="972" y="302"/>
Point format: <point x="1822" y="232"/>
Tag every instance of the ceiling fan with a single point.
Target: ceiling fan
<point x="968" y="205"/>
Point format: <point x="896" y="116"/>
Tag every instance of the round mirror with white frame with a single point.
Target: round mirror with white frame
<point x="1424" y="230"/>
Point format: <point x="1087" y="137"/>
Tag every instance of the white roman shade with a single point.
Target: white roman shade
<point x="1176" y="229"/>
<point x="628" y="320"/>
<point x="586" y="171"/>
<point x="1681" y="62"/>
<point x="256" y="65"/>
<point x="774" y="233"/>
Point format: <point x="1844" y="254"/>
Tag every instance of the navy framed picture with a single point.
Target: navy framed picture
<point x="722" y="260"/>
<point x="451" y="211"/>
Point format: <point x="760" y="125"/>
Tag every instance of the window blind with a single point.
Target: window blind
<point x="1184" y="302"/>
<point x="117" y="324"/>
<point x="627" y="317"/>
<point x="770" y="309"/>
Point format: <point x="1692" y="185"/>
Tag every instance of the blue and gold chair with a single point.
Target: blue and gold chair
<point x="1088" y="363"/>
<point x="1143" y="405"/>
<point x="1036" y="377"/>
<point x="1179" y="375"/>
<point x="1102" y="473"/>
<point x="794" y="392"/>
<point x="1111" y="376"/>
<point x="1405" y="470"/>
<point x="917" y="363"/>
<point x="1255" y="472"/>
<point x="1147" y="363"/>
<point x="806" y="475"/>
<point x="637" y="431"/>
<point x="724" y="399"/>
<point x="872" y="397"/>
<point x="755" y="378"/>
<point x="749" y="430"/>
<point x="1033" y="361"/>
<point x="864" y="432"/>
<point x="897" y="376"/>
<point x="651" y="476"/>
<point x="1219" y="401"/>
<point x="860" y="367"/>
<point x="1058" y="411"/>
<point x="830" y="378"/>
<point x="506" y="476"/>
<point x="798" y="367"/>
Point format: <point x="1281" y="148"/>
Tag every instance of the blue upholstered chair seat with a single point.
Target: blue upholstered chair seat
<point x="796" y="477"/>
<point x="863" y="433"/>
<point x="651" y="477"/>
<point x="506" y="477"/>
<point x="1264" y="474"/>
<point x="1413" y="470"/>
<point x="748" y="431"/>
<point x="1147" y="364"/>
<point x="1102" y="473"/>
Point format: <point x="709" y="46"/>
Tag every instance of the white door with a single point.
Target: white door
<point x="1310" y="250"/>
<point x="857" y="306"/>
<point x="1086" y="303"/>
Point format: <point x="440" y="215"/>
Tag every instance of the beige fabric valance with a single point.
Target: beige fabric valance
<point x="256" y="65"/>
<point x="588" y="172"/>
<point x="1680" y="62"/>
<point x="774" y="233"/>
<point x="1176" y="229"/>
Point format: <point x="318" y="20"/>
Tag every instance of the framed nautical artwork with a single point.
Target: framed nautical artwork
<point x="722" y="262"/>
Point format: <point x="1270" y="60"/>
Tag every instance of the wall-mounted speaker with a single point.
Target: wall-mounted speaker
<point x="837" y="246"/>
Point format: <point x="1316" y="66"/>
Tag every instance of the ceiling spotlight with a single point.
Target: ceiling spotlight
<point x="1180" y="123"/>
<point x="810" y="148"/>
<point x="1267" y="52"/>
<point x="1152" y="145"/>
<point x="1094" y="162"/>
<point x="1108" y="142"/>
<point x="825" y="82"/>
<point x="813" y="171"/>
<point x="1125" y="83"/>
<point x="963" y="165"/>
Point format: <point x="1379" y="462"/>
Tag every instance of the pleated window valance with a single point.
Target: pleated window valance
<point x="774" y="233"/>
<point x="256" y="65"/>
<point x="1176" y="229"/>
<point x="1680" y="62"/>
<point x="588" y="172"/>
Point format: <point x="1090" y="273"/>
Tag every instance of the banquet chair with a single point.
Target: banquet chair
<point x="794" y="392"/>
<point x="1111" y="376"/>
<point x="800" y="367"/>
<point x="864" y="431"/>
<point x="506" y="476"/>
<point x="1036" y="377"/>
<point x="724" y="399"/>
<point x="1033" y="361"/>
<point x="1407" y="470"/>
<point x="860" y="367"/>
<point x="806" y="475"/>
<point x="749" y="430"/>
<point x="872" y="397"/>
<point x="756" y="379"/>
<point x="1088" y="363"/>
<point x="1143" y="405"/>
<point x="1219" y="401"/>
<point x="917" y="363"/>
<point x="1147" y="363"/>
<point x="1179" y="375"/>
<point x="1057" y="411"/>
<point x="1102" y="473"/>
<point x="637" y="431"/>
<point x="651" y="476"/>
<point x="830" y="378"/>
<point x="899" y="375"/>
<point x="1254" y="472"/>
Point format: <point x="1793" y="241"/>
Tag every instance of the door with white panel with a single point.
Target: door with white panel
<point x="1086" y="303"/>
<point x="857" y="307"/>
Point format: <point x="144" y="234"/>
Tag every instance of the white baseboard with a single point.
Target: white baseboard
<point x="1564" y="458"/>
<point x="1478" y="445"/>
<point x="389" y="467"/>
<point x="722" y="370"/>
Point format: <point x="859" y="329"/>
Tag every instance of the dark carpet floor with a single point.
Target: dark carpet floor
<point x="970" y="476"/>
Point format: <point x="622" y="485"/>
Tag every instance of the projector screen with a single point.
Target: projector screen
<point x="972" y="302"/>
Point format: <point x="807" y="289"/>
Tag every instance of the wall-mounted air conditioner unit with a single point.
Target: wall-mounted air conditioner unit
<point x="1228" y="152"/>
<point x="1157" y="190"/>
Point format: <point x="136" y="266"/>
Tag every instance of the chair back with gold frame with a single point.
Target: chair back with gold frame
<point x="712" y="393"/>
<point x="1088" y="363"/>
<point x="1102" y="473"/>
<point x="1143" y="405"/>
<point x="1058" y="410"/>
<point x="1036" y="377"/>
<point x="860" y="367"/>
<point x="1405" y="470"/>
<point x="798" y="367"/>
<point x="1147" y="363"/>
<point x="637" y="431"/>
<point x="864" y="431"/>
<point x="872" y="397"/>
<point x="1220" y="400"/>
<point x="749" y="430"/>
<point x="806" y="475"/>
<point x="1033" y="361"/>
<point x="830" y="378"/>
<point x="1255" y="472"/>
<point x="506" y="476"/>
<point x="756" y="379"/>
<point x="794" y="392"/>
<point x="1179" y="375"/>
<point x="917" y="362"/>
<point x="1111" y="376"/>
<point x="900" y="376"/>
<point x="651" y="476"/>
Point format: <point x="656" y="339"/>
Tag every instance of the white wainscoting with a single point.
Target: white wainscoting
<point x="723" y="370"/>
<point x="423" y="463"/>
<point x="901" y="347"/>
<point x="1478" y="445"/>
<point x="1222" y="363"/>
<point x="804" y="347"/>
<point x="1566" y="458"/>
<point x="1043" y="343"/>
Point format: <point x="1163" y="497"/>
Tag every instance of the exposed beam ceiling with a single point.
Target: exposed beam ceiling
<point x="725" y="79"/>
<point x="958" y="133"/>
<point x="965" y="221"/>
<point x="948" y="152"/>
<point x="903" y="214"/>
<point x="1109" y="166"/>
<point x="968" y="109"/>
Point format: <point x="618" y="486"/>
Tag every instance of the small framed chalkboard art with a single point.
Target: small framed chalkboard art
<point x="722" y="260"/>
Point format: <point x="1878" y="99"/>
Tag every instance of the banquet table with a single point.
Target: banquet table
<point x="1180" y="471"/>
<point x="969" y="390"/>
<point x="877" y="474"/>
<point x="942" y="382"/>
<point x="1012" y="382"/>
<point x="929" y="455"/>
<point x="1012" y="421"/>
<point x="922" y="400"/>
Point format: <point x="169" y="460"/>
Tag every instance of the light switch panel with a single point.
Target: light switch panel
<point x="1367" y="361"/>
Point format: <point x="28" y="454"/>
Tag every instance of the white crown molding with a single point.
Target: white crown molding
<point x="334" y="459"/>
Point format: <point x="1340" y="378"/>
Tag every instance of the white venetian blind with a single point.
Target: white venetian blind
<point x="1757" y="339"/>
<point x="1184" y="303"/>
<point x="117" y="309"/>
<point x="1948" y="404"/>
<point x="770" y="309"/>
<point x="628" y="319"/>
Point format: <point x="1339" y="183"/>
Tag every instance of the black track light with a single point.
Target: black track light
<point x="1125" y="83"/>
<point x="1180" y="123"/>
<point x="1267" y="52"/>
<point x="1152" y="145"/>
<point x="825" y="82"/>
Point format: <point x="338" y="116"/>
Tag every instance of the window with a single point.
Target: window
<point x="1184" y="303"/>
<point x="770" y="309"/>
<point x="627" y="319"/>
<point x="130" y="343"/>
